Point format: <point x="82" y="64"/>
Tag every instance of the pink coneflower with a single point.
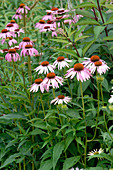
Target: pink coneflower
<point x="52" y="80"/>
<point x="5" y="33"/>
<point x="49" y="16"/>
<point x="40" y="24"/>
<point x="5" y="50"/>
<point x="10" y="27"/>
<point x="53" y="10"/>
<point x="12" y="55"/>
<point x="45" y="67"/>
<point x="50" y="23"/>
<point x="26" y="41"/>
<point x="62" y="11"/>
<point x="46" y="29"/>
<point x="21" y="9"/>
<point x="17" y="15"/>
<point x="62" y="62"/>
<point x="82" y="73"/>
<point x="38" y="84"/>
<point x="15" y="25"/>
<point x="17" y="32"/>
<point x="60" y="99"/>
<point x="11" y="41"/>
<point x="94" y="63"/>
<point x="29" y="50"/>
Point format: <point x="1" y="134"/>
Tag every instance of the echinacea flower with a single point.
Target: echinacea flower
<point x="29" y="50"/>
<point x="45" y="67"/>
<point x="10" y="42"/>
<point x="62" y="62"/>
<point x="75" y="169"/>
<point x="12" y="55"/>
<point x="82" y="73"/>
<point x="15" y="25"/>
<point x="40" y="24"/>
<point x="52" y="80"/>
<point x="60" y="99"/>
<point x="49" y="16"/>
<point x="23" y="7"/>
<point x="95" y="63"/>
<point x="38" y="84"/>
<point x="17" y="15"/>
<point x="26" y="41"/>
<point x="96" y="152"/>
<point x="62" y="11"/>
<point x="17" y="32"/>
<point x="10" y="27"/>
<point x="53" y="10"/>
<point x="5" y="33"/>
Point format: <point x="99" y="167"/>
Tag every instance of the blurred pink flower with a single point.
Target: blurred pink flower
<point x="11" y="41"/>
<point x="62" y="62"/>
<point x="45" y="67"/>
<point x="60" y="99"/>
<point x="52" y="80"/>
<point x="26" y="41"/>
<point x="12" y="55"/>
<point x="40" y="24"/>
<point x="21" y="9"/>
<point x="17" y="15"/>
<point x="38" y="84"/>
<point x="49" y="16"/>
<point x="5" y="33"/>
<point x="29" y="50"/>
<point x="15" y="25"/>
<point x="82" y="73"/>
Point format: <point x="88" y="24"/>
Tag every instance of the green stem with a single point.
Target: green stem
<point x="24" y="164"/>
<point x="85" y="149"/>
<point x="20" y="168"/>
<point x="29" y="69"/>
<point x="69" y="88"/>
<point x="98" y="96"/>
<point x="13" y="72"/>
<point x="54" y="93"/>
<point x="42" y="104"/>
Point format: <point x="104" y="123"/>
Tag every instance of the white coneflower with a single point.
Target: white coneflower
<point x="62" y="62"/>
<point x="96" y="152"/>
<point x="60" y="99"/>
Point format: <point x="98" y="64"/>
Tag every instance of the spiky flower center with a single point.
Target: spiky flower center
<point x="61" y="58"/>
<point x="49" y="22"/>
<point x="10" y="25"/>
<point x="17" y="13"/>
<point x="38" y="81"/>
<point x="46" y="27"/>
<point x="98" y="63"/>
<point x="78" y="67"/>
<point x="16" y="30"/>
<point x="12" y="21"/>
<point x="21" y="5"/>
<point x="28" y="46"/>
<point x="10" y="38"/>
<point x="54" y="9"/>
<point x="5" y="50"/>
<point x="61" y="96"/>
<point x="41" y="21"/>
<point x="45" y="63"/>
<point x="48" y="13"/>
<point x="95" y="58"/>
<point x="26" y="39"/>
<point x="4" y="31"/>
<point x="51" y="75"/>
<point x="96" y="152"/>
<point x="12" y="51"/>
<point x="60" y="10"/>
<point x="16" y="48"/>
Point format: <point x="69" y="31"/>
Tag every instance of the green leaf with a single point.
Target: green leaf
<point x="69" y="162"/>
<point x="98" y="30"/>
<point x="66" y="51"/>
<point x="80" y="142"/>
<point x="57" y="151"/>
<point x="87" y="22"/>
<point x="68" y="141"/>
<point x="108" y="38"/>
<point x="46" y="165"/>
<point x="82" y="37"/>
<point x="85" y="13"/>
<point x="105" y="84"/>
<point x="87" y="46"/>
<point x="59" y="40"/>
<point x="85" y="4"/>
<point x="13" y="116"/>
<point x="109" y="6"/>
<point x="79" y="31"/>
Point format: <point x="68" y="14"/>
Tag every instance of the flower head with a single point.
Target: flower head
<point x="15" y="25"/>
<point x="96" y="152"/>
<point x="26" y="41"/>
<point x="12" y="55"/>
<point x="82" y="73"/>
<point x="45" y="67"/>
<point x="29" y="50"/>
<point x="95" y="63"/>
<point x="52" y="80"/>
<point x="17" y="15"/>
<point x="10" y="42"/>
<point x="38" y="84"/>
<point x="111" y="99"/>
<point x="21" y="9"/>
<point x="60" y="99"/>
<point x="62" y="62"/>
<point x="5" y="33"/>
<point x="40" y="24"/>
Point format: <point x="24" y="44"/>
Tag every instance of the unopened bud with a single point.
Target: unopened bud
<point x="111" y="107"/>
<point x="100" y="78"/>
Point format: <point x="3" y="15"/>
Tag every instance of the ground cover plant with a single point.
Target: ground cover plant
<point x="56" y="60"/>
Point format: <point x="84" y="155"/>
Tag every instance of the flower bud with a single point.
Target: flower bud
<point x="100" y="78"/>
<point x="111" y="107"/>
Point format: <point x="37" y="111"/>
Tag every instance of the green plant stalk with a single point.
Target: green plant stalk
<point x="69" y="88"/>
<point x="29" y="69"/>
<point x="20" y="168"/>
<point x="54" y="93"/>
<point x="98" y="96"/>
<point x="85" y="150"/>
<point x="13" y="72"/>
<point x="24" y="164"/>
<point x="42" y="104"/>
